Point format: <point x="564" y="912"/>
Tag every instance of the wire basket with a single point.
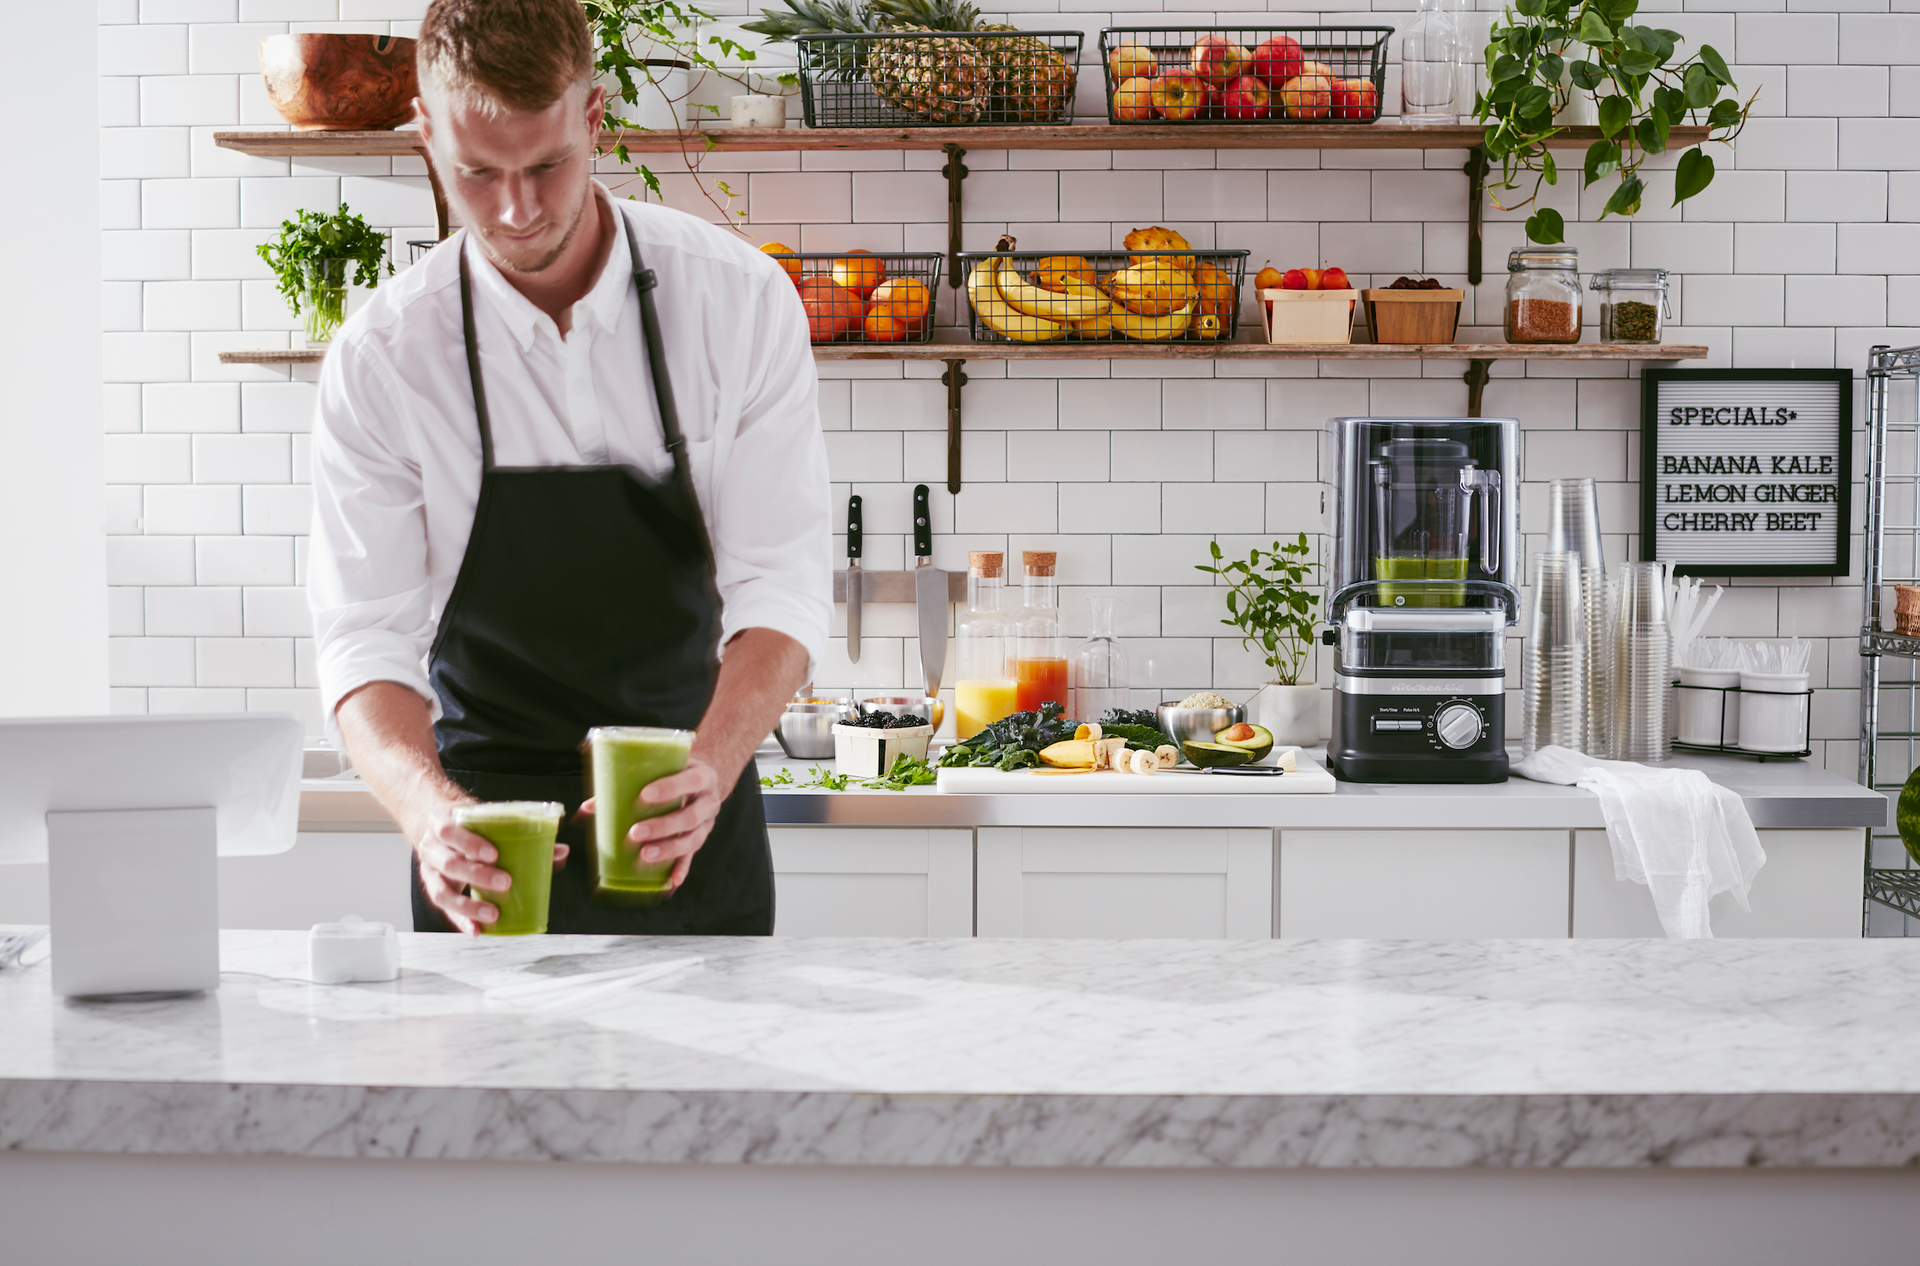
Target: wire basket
<point x="1279" y="74"/>
<point x="938" y="78"/>
<point x="1190" y="296"/>
<point x="852" y="297"/>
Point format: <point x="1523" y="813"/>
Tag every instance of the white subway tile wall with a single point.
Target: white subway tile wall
<point x="1802" y="253"/>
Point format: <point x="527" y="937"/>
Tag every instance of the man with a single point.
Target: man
<point x="536" y="512"/>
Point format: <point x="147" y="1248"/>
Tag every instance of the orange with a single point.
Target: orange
<point x="832" y="309"/>
<point x="884" y="327"/>
<point x="906" y="297"/>
<point x="860" y="275"/>
<point x="791" y="265"/>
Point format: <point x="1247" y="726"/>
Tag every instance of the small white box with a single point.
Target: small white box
<point x="869" y="753"/>
<point x="352" y="950"/>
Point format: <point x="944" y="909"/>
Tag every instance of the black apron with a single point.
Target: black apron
<point x="586" y="597"/>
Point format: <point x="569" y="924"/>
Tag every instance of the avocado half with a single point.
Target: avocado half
<point x="1213" y="755"/>
<point x="1260" y="744"/>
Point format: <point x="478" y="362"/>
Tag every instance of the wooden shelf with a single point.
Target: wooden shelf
<point x="1162" y="351"/>
<point x="1385" y="134"/>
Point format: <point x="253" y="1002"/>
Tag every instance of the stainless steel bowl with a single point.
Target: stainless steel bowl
<point x="1196" y="725"/>
<point x="806" y="729"/>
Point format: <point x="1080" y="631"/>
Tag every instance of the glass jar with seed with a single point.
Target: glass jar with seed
<point x="1633" y="304"/>
<point x="1543" y="295"/>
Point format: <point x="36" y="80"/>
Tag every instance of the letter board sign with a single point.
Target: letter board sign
<point x="1746" y="472"/>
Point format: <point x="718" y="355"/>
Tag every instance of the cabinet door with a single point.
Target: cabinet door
<point x="1121" y="884"/>
<point x="1443" y="885"/>
<point x="871" y="881"/>
<point x="1810" y="886"/>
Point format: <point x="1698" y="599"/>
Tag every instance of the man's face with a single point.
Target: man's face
<point x="517" y="180"/>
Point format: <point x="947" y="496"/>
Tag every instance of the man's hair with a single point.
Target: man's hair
<point x="519" y="55"/>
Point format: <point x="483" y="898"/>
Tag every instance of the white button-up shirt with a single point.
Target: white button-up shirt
<point x="396" y="449"/>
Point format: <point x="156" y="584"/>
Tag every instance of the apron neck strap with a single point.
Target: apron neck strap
<point x="644" y="281"/>
<point x="473" y="363"/>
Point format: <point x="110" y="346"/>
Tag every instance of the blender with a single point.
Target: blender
<point x="1423" y="597"/>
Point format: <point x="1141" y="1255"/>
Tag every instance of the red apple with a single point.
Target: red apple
<point x="1308" y="96"/>
<point x="1246" y="98"/>
<point x="1133" y="100"/>
<point x="1178" y="94"/>
<point x="1335" y="279"/>
<point x="1278" y="59"/>
<point x="1355" y="99"/>
<point x="1132" y="60"/>
<point x="1218" y="59"/>
<point x="1296" y="279"/>
<point x="1269" y="278"/>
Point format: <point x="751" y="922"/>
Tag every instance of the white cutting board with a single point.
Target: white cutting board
<point x="1311" y="779"/>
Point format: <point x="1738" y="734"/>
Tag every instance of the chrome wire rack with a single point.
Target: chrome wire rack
<point x="1889" y="654"/>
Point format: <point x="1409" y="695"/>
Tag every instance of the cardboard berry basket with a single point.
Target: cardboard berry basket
<point x="1271" y="75"/>
<point x="1308" y="316"/>
<point x="847" y="297"/>
<point x="1412" y="316"/>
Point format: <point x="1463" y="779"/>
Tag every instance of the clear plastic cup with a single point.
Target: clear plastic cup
<point x="523" y="831"/>
<point x="623" y="760"/>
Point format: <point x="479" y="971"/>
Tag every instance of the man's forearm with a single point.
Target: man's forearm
<point x="757" y="678"/>
<point x="389" y="735"/>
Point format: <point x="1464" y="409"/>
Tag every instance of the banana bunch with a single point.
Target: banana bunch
<point x="1078" y="302"/>
<point x="990" y="304"/>
<point x="1153" y="328"/>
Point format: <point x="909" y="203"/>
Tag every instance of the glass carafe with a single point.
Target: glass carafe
<point x="1430" y="56"/>
<point x="1101" y="676"/>
<point x="984" y="690"/>
<point x="1422" y="501"/>
<point x="1039" y="661"/>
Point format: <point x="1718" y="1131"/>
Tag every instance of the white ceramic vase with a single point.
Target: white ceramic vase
<point x="1290" y="713"/>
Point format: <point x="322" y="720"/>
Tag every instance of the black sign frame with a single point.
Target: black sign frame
<point x="1650" y="380"/>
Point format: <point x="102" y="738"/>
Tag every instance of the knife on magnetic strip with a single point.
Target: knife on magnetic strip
<point x="930" y="594"/>
<point x="853" y="579"/>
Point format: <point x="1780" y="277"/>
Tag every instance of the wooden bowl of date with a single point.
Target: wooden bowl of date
<point x="340" y="83"/>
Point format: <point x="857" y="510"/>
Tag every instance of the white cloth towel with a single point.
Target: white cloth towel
<point x="1685" y="837"/>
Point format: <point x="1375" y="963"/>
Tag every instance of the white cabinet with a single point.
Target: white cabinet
<point x="871" y="881"/>
<point x="1445" y="885"/>
<point x="1078" y="882"/>
<point x="1810" y="886"/>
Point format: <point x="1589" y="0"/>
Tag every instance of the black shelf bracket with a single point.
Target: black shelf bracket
<point x="1479" y="373"/>
<point x="1476" y="169"/>
<point x="955" y="171"/>
<point x="953" y="380"/>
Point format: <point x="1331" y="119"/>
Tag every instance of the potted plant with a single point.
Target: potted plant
<point x="310" y="257"/>
<point x="1546" y="52"/>
<point x="1269" y="602"/>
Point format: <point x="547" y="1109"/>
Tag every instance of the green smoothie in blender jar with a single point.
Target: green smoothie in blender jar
<point x="624" y="759"/>
<point x="1424" y="581"/>
<point x="523" y="831"/>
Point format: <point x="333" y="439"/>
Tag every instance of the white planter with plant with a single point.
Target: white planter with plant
<point x="310" y="262"/>
<point x="1269" y="600"/>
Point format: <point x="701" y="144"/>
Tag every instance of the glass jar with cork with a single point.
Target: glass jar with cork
<point x="1039" y="658"/>
<point x="1633" y="304"/>
<point x="1543" y="295"/>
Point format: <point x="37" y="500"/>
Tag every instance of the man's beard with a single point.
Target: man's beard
<point x="545" y="261"/>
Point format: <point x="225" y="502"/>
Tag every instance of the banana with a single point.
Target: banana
<point x="1077" y="303"/>
<point x="1093" y="327"/>
<point x="1153" y="328"/>
<point x="983" y="291"/>
<point x="1208" y="325"/>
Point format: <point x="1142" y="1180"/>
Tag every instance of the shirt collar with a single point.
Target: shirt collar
<point x="601" y="305"/>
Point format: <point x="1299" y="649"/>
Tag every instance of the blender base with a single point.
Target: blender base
<point x="1394" y="738"/>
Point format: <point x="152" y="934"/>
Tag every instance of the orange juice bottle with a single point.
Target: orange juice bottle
<point x="984" y="691"/>
<point x="1038" y="660"/>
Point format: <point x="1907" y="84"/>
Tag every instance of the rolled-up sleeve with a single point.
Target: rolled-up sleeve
<point x="772" y="525"/>
<point x="367" y="578"/>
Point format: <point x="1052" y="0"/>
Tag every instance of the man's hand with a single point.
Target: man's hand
<point x="677" y="836"/>
<point x="453" y="858"/>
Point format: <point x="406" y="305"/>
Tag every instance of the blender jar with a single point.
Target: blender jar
<point x="1543" y="295"/>
<point x="1633" y="304"/>
<point x="1422" y="496"/>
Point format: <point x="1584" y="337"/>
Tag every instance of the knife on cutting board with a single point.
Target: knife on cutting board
<point x="853" y="579"/>
<point x="930" y="594"/>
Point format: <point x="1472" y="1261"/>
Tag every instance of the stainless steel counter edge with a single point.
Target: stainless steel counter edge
<point x="1778" y="795"/>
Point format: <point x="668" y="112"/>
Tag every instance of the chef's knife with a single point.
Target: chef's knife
<point x="853" y="579"/>
<point x="930" y="594"/>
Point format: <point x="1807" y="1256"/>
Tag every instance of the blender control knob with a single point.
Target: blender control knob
<point x="1458" y="725"/>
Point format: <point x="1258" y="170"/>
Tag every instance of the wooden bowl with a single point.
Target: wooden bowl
<point x="340" y="83"/>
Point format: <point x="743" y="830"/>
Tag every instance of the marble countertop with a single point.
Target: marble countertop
<point x="1778" y="794"/>
<point x="998" y="1053"/>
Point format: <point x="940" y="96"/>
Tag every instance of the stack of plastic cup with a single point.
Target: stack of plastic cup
<point x="1642" y="649"/>
<point x="1554" y="674"/>
<point x="1573" y="525"/>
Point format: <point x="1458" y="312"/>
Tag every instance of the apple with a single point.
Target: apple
<point x="1133" y="100"/>
<point x="1246" y="98"/>
<point x="1132" y="60"/>
<point x="1313" y="278"/>
<point x="1335" y="279"/>
<point x="1296" y="279"/>
<point x="1308" y="96"/>
<point x="1269" y="278"/>
<point x="1278" y="59"/>
<point x="1218" y="59"/>
<point x="1355" y="99"/>
<point x="1178" y="94"/>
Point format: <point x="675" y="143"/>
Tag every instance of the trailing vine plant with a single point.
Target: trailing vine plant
<point x="1546" y="50"/>
<point x="665" y="28"/>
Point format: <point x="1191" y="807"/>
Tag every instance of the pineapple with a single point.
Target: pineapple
<point x="941" y="80"/>
<point x="1031" y="82"/>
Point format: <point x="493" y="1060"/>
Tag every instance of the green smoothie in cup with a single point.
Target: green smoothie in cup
<point x="624" y="759"/>
<point x="523" y="831"/>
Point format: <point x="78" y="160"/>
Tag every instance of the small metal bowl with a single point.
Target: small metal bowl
<point x="1196" y="725"/>
<point x="806" y="729"/>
